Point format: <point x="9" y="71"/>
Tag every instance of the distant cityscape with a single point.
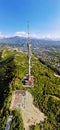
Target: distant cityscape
<point x="45" y="49"/>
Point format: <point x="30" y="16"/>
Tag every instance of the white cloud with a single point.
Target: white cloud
<point x="4" y="36"/>
<point x="20" y="34"/>
<point x="1" y="35"/>
<point x="46" y="36"/>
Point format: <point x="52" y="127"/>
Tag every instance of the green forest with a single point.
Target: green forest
<point x="46" y="90"/>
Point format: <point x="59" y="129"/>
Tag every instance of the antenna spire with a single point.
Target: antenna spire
<point x="28" y="31"/>
<point x="28" y="81"/>
<point x="28" y="45"/>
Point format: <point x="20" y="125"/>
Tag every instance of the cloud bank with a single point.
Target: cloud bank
<point x="38" y="36"/>
<point x="1" y="35"/>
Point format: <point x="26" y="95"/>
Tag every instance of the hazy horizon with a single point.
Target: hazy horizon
<point x="43" y="17"/>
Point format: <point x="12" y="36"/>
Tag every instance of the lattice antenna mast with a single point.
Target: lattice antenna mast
<point x="29" y="57"/>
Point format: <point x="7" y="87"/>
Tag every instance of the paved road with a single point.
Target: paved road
<point x="9" y="122"/>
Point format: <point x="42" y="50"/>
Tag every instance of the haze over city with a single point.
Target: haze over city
<point x="43" y="17"/>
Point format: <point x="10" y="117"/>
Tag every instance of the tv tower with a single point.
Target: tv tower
<point x="29" y="52"/>
<point x="28" y="81"/>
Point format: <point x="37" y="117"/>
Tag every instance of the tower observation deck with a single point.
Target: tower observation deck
<point x="29" y="80"/>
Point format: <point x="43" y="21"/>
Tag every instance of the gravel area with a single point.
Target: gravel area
<point x="31" y="115"/>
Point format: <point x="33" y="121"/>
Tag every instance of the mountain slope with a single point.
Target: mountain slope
<point x="22" y="41"/>
<point x="46" y="91"/>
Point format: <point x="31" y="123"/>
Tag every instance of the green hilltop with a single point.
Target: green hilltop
<point x="46" y="90"/>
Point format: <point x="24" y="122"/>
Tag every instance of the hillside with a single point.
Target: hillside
<point x="47" y="50"/>
<point x="46" y="91"/>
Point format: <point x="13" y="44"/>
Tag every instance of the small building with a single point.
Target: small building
<point x="28" y="82"/>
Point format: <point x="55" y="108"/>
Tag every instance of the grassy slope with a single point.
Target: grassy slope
<point x="46" y="89"/>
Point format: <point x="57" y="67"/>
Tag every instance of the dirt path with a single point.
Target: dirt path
<point x="56" y="75"/>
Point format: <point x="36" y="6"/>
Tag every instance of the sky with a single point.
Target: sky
<point x="43" y="17"/>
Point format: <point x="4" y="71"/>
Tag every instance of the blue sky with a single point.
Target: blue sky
<point x="43" y="17"/>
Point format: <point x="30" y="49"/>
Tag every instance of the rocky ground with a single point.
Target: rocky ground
<point x="30" y="114"/>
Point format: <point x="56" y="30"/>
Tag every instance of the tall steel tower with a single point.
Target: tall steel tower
<point x="28" y="81"/>
<point x="29" y="52"/>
